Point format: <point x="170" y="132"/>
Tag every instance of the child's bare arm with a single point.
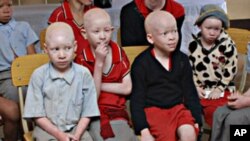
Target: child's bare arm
<point x="81" y="127"/>
<point x="31" y="49"/>
<point x="46" y="125"/>
<point x="123" y="88"/>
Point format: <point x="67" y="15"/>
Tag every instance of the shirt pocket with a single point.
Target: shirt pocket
<point x="18" y="44"/>
<point x="75" y="108"/>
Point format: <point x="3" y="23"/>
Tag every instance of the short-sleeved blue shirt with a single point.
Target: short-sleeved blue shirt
<point x="15" y="37"/>
<point x="63" y="99"/>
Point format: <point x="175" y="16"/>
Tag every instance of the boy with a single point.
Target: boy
<point x="134" y="13"/>
<point x="213" y="57"/>
<point x="163" y="92"/>
<point x="61" y="96"/>
<point x="71" y="12"/>
<point x="16" y="39"/>
<point x="110" y="68"/>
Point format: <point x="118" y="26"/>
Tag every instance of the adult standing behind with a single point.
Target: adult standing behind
<point x="71" y="12"/>
<point x="134" y="13"/>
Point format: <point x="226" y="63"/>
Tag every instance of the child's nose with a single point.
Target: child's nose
<point x="6" y="9"/>
<point x="172" y="35"/>
<point x="102" y="35"/>
<point x="61" y="53"/>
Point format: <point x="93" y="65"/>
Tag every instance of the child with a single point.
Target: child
<point x="133" y="16"/>
<point x="236" y="112"/>
<point x="61" y="96"/>
<point x="110" y="68"/>
<point x="213" y="57"/>
<point x="16" y="39"/>
<point x="164" y="99"/>
<point x="71" y="12"/>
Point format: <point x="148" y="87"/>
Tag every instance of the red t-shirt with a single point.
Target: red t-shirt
<point x="63" y="14"/>
<point x="120" y="68"/>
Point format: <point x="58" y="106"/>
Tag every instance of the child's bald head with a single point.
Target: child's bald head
<point x="157" y="20"/>
<point x="95" y="15"/>
<point x="97" y="27"/>
<point x="59" y="30"/>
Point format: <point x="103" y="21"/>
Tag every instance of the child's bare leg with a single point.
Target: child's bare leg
<point x="186" y="132"/>
<point x="10" y="114"/>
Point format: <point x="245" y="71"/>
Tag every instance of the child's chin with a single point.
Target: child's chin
<point x="172" y="49"/>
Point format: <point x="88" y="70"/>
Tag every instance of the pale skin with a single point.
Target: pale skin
<point x="60" y="45"/>
<point x="237" y="100"/>
<point x="98" y="31"/>
<point x="9" y="109"/>
<point x="210" y="30"/>
<point x="77" y="8"/>
<point x="162" y="32"/>
<point x="155" y="4"/>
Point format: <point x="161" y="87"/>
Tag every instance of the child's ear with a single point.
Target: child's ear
<point x="83" y="32"/>
<point x="150" y="38"/>
<point x="75" y="45"/>
<point x="45" y="48"/>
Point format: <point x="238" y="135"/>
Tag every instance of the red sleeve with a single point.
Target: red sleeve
<point x="176" y="9"/>
<point x="56" y="15"/>
<point x="126" y="63"/>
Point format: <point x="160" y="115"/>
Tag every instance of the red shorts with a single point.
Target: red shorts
<point x="165" y="122"/>
<point x="209" y="106"/>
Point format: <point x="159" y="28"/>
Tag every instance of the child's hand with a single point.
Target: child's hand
<point x="101" y="52"/>
<point x="215" y="94"/>
<point x="236" y="100"/>
<point x="201" y="92"/>
<point x="66" y="137"/>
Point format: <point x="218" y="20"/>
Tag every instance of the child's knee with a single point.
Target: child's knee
<point x="13" y="113"/>
<point x="187" y="132"/>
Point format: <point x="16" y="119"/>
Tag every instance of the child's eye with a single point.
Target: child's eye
<point x="217" y="29"/>
<point x="209" y="28"/>
<point x="54" y="49"/>
<point x="165" y="33"/>
<point x="68" y="48"/>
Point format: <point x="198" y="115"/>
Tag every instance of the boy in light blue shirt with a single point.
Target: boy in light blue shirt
<point x="61" y="96"/>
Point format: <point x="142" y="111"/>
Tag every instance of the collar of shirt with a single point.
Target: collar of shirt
<point x="116" y="53"/>
<point x="67" y="12"/>
<point x="7" y="28"/>
<point x="67" y="76"/>
<point x="176" y="9"/>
